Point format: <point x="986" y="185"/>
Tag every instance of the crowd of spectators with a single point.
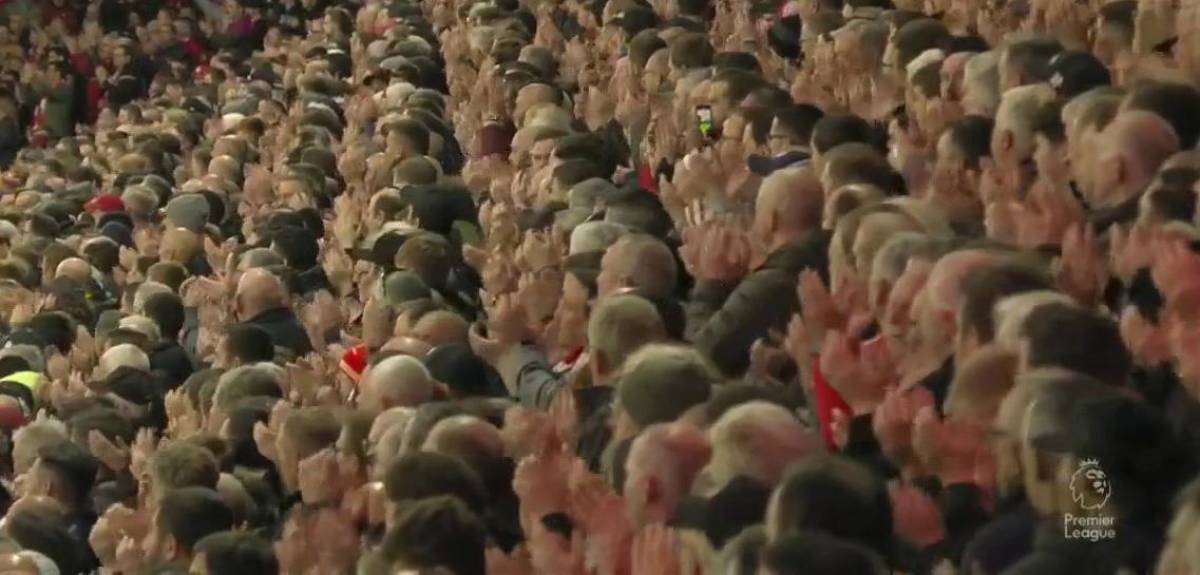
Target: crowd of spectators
<point x="612" y="287"/>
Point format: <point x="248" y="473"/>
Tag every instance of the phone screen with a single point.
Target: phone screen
<point x="704" y="121"/>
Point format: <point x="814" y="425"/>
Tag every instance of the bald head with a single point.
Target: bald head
<point x="441" y="328"/>
<point x="180" y="246"/>
<point x="466" y="437"/>
<point x="757" y="440"/>
<point x="937" y="305"/>
<point x="124" y="355"/>
<point x="399" y="381"/>
<point x="874" y="231"/>
<point x="618" y="327"/>
<point x="789" y="204"/>
<point x="980" y="384"/>
<point x="1131" y="149"/>
<point x="74" y="268"/>
<point x="638" y="261"/>
<point x="533" y="95"/>
<point x="1013" y="133"/>
<point x="258" y="291"/>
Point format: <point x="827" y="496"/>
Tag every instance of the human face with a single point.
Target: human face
<point x="654" y="76"/>
<point x="540" y="154"/>
<point x="731" y="148"/>
<point x="778" y="141"/>
<point x="609" y="279"/>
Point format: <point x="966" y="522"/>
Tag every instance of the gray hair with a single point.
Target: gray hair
<point x="759" y="440"/>
<point x="124" y="355"/>
<point x="622" y="324"/>
<point x="595" y="236"/>
<point x="981" y="81"/>
<point x="246" y="381"/>
<point x="1010" y="314"/>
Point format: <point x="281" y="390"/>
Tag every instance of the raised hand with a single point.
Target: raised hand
<point x="917" y="515"/>
<point x="893" y="422"/>
<point x="114" y="456"/>
<point x="1083" y="270"/>
<point x="319" y="478"/>
<point x="656" y="551"/>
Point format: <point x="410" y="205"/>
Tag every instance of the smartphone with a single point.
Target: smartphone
<point x="704" y="121"/>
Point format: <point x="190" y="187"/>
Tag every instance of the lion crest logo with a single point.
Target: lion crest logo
<point x="1090" y="488"/>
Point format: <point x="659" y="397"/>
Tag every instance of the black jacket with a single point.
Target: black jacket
<point x="285" y="329"/>
<point x="173" y="362"/>
<point x="724" y="328"/>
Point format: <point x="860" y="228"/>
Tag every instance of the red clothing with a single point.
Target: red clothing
<point x="195" y="50"/>
<point x="67" y="15"/>
<point x="828" y="400"/>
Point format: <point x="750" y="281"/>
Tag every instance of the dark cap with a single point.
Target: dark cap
<point x="1074" y="72"/>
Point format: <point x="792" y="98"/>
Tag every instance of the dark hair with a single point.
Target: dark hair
<point x="972" y="135"/>
<point x="798" y="121"/>
<point x="690" y="51"/>
<point x="1063" y="335"/>
<point x="834" y="130"/>
<point x="915" y="37"/>
<point x="811" y="551"/>
<point x="983" y="287"/>
<point x="74" y="465"/>
<point x="188" y="514"/>
<point x="104" y="255"/>
<point x="437" y="532"/>
<point x="11" y="364"/>
<point x="695" y="8"/>
<point x="55" y="328"/>
<point x="107" y="420"/>
<point x="417" y="171"/>
<point x="642" y="46"/>
<point x="1173" y="203"/>
<point x="1047" y="122"/>
<point x="1175" y="103"/>
<point x="238" y="552"/>
<point x="43" y="533"/>
<point x="837" y="496"/>
<point x="166" y="309"/>
<point x="413" y="130"/>
<point x="249" y="343"/>
<point x="298" y="246"/>
<point x="422" y="475"/>
<point x="571" y="172"/>
<point x="1032" y="57"/>
<point x="743" y="61"/>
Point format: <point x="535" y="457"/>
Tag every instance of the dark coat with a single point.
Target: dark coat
<point x="724" y="328"/>
<point x="285" y="329"/>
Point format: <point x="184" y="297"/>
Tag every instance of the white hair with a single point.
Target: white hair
<point x="926" y="58"/>
<point x="649" y="264"/>
<point x="620" y="325"/>
<point x="981" y="83"/>
<point x="892" y="259"/>
<point x="29" y="440"/>
<point x="1010" y="314"/>
<point x="143" y="325"/>
<point x="595" y="236"/>
<point x="1018" y="112"/>
<point x="549" y="116"/>
<point x="758" y="440"/>
<point x="402" y="380"/>
<point x="124" y="355"/>
<point x="145" y="290"/>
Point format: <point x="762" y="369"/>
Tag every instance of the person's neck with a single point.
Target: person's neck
<point x="1118" y="196"/>
<point x="782" y="238"/>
